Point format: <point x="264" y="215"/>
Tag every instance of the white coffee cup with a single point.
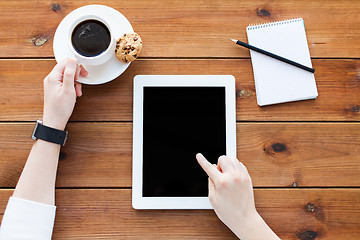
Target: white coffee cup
<point x="91" y="60"/>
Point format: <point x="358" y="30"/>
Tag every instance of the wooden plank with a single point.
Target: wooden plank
<point x="276" y="154"/>
<point x="187" y="28"/>
<point x="304" y="214"/>
<point x="338" y="84"/>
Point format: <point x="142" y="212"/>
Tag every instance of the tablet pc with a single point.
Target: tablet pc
<point x="176" y="117"/>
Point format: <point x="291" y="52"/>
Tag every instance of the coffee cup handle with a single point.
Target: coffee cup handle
<point x="79" y="62"/>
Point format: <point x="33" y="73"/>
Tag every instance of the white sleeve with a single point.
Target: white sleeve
<point x="24" y="219"/>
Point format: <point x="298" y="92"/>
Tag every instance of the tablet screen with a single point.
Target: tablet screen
<point x="178" y="123"/>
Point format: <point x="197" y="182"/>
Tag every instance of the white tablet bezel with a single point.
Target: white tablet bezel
<point x="141" y="81"/>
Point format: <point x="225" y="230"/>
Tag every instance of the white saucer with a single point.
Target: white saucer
<point x="101" y="73"/>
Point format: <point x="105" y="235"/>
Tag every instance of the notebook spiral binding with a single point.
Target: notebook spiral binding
<point x="270" y="24"/>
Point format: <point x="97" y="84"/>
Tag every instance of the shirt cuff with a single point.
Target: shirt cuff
<point x="25" y="219"/>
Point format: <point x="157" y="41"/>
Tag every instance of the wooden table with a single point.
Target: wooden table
<point x="304" y="157"/>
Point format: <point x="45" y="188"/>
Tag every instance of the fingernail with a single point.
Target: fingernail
<point x="71" y="66"/>
<point x="199" y="155"/>
<point x="72" y="63"/>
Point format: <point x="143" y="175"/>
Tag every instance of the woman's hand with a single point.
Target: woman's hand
<point x="230" y="189"/>
<point x="231" y="195"/>
<point x="60" y="92"/>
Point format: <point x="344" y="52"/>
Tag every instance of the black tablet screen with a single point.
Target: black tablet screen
<point x="180" y="122"/>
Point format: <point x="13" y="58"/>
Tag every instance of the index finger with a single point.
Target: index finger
<point x="83" y="71"/>
<point x="210" y="169"/>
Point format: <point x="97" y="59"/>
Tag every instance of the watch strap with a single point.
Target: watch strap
<point x="49" y="134"/>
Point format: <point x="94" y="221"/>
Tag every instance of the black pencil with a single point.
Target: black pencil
<point x="273" y="55"/>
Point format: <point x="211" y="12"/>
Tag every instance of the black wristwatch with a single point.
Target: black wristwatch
<point x="49" y="134"/>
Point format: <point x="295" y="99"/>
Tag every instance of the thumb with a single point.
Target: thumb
<point x="69" y="75"/>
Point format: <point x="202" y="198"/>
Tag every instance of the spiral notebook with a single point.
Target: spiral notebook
<point x="276" y="81"/>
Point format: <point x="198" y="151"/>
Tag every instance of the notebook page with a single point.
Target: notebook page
<point x="276" y="81"/>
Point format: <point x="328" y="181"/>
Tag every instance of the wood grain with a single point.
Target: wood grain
<point x="306" y="173"/>
<point x="187" y="28"/>
<point x="338" y="83"/>
<point x="304" y="214"/>
<point x="276" y="154"/>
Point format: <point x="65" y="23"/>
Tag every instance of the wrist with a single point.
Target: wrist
<point x="254" y="228"/>
<point x="246" y="228"/>
<point x="53" y="123"/>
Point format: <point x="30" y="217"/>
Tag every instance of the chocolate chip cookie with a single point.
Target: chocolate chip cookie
<point x="128" y="47"/>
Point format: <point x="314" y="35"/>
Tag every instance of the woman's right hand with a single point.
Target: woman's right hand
<point x="231" y="195"/>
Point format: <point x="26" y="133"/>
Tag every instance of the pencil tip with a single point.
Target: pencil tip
<point x="233" y="40"/>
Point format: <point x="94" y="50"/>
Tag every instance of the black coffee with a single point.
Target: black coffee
<point x="90" y="38"/>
